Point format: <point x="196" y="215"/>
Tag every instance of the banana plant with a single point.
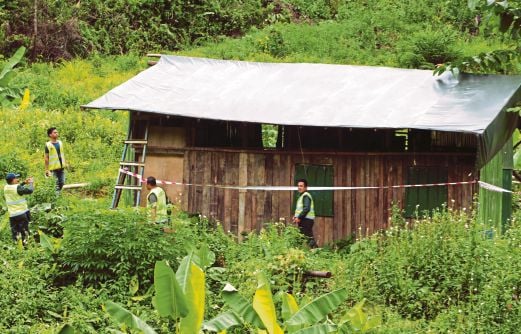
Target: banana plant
<point x="358" y="320"/>
<point x="8" y="93"/>
<point x="51" y="245"/>
<point x="127" y="319"/>
<point x="261" y="313"/>
<point x="180" y="296"/>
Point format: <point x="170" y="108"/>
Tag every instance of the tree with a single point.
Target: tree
<point x="508" y="14"/>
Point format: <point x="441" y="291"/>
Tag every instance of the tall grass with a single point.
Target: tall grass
<point x="356" y="41"/>
<point x="92" y="138"/>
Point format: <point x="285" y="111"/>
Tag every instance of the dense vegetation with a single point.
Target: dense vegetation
<point x="416" y="34"/>
<point x="447" y="273"/>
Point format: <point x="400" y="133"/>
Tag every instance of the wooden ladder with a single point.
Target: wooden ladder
<point x="130" y="163"/>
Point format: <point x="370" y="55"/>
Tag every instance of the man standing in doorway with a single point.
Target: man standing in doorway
<point x="304" y="215"/>
<point x="55" y="158"/>
<point x="19" y="215"/>
<point x="156" y="202"/>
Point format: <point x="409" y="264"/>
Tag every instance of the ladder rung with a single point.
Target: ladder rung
<point x="128" y="163"/>
<point x="142" y="142"/>
<point x="128" y="187"/>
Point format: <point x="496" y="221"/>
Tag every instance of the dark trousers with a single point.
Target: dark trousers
<point x="59" y="174"/>
<point x="20" y="226"/>
<point x="306" y="227"/>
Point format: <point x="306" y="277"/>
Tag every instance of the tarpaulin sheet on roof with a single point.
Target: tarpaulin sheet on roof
<point x="324" y="95"/>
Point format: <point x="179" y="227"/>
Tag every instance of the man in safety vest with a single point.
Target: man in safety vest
<point x="304" y="215"/>
<point x="19" y="215"/>
<point x="156" y="202"/>
<point x="55" y="158"/>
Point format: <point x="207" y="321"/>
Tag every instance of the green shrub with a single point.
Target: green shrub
<point x="315" y="10"/>
<point x="49" y="218"/>
<point x="273" y="44"/>
<point x="427" y="48"/>
<point x="107" y="245"/>
<point x="494" y="302"/>
<point x="44" y="192"/>
<point x="26" y="295"/>
<point x="444" y="271"/>
<point x="276" y="250"/>
<point x="11" y="162"/>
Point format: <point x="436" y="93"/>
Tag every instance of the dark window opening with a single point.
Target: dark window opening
<point x="342" y="139"/>
<point x="317" y="176"/>
<point x="229" y="134"/>
<point x="210" y="133"/>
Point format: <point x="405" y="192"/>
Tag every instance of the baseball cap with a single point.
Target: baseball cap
<point x="11" y="176"/>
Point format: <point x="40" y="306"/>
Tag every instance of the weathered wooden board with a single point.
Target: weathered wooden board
<point x="356" y="212"/>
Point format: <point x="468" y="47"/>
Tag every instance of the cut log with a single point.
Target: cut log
<point x="75" y="185"/>
<point x="321" y="274"/>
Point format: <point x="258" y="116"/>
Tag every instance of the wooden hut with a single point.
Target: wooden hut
<point x="234" y="135"/>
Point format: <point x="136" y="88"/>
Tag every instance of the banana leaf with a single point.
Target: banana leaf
<point x="360" y="320"/>
<point x="317" y="310"/>
<point x="289" y="306"/>
<point x="11" y="63"/>
<point x="242" y="308"/>
<point x="203" y="256"/>
<point x="170" y="299"/>
<point x="222" y="322"/>
<point x="46" y="242"/>
<point x="127" y="318"/>
<point x="6" y="79"/>
<point x="318" y="329"/>
<point x="264" y="306"/>
<point x="194" y="289"/>
<point x="66" y="329"/>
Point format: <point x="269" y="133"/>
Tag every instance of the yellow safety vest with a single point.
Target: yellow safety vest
<point x="300" y="206"/>
<point x="54" y="158"/>
<point x="161" y="212"/>
<point x="16" y="204"/>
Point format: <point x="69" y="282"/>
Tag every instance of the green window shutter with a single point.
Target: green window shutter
<point x="426" y="198"/>
<point x="317" y="176"/>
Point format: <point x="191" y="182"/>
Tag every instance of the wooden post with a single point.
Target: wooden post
<point x="243" y="181"/>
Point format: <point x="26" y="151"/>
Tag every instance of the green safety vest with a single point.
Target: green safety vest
<point x="16" y="204"/>
<point x="161" y="212"/>
<point x="300" y="206"/>
<point x="54" y="159"/>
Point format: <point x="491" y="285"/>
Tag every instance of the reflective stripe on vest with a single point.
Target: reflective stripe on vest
<point x="300" y="206"/>
<point x="16" y="204"/>
<point x="161" y="213"/>
<point x="54" y="158"/>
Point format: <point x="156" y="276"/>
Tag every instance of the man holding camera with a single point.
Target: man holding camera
<point x="19" y="215"/>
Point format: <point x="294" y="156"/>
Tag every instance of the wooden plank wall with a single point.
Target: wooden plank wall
<point x="356" y="212"/>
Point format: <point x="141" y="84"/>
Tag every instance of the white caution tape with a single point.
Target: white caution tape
<point x="482" y="184"/>
<point x="492" y="187"/>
